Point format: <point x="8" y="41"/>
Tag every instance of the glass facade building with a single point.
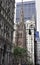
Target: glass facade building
<point x="29" y="10"/>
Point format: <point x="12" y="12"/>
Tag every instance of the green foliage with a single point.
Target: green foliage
<point x="31" y="63"/>
<point x="21" y="54"/>
<point x="19" y="51"/>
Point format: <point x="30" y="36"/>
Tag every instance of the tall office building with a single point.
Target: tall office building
<point x="29" y="10"/>
<point x="6" y="31"/>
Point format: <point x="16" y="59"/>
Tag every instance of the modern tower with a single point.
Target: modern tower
<point x="29" y="10"/>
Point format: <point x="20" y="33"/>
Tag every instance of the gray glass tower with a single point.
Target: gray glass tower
<point x="29" y="10"/>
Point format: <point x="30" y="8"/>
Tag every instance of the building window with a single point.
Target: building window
<point x="0" y="10"/>
<point x="0" y="26"/>
<point x="8" y="10"/>
<point x="8" y="57"/>
<point x="7" y="35"/>
<point x="11" y="35"/>
<point x="0" y="2"/>
<point x="6" y="1"/>
<point x="0" y="56"/>
<point x="0" y="23"/>
<point x="20" y="35"/>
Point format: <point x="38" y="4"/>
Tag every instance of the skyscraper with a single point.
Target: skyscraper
<point x="6" y="31"/>
<point x="29" y="10"/>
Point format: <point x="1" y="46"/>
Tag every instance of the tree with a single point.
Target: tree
<point x="20" y="54"/>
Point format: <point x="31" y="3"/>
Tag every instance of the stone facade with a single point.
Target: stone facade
<point x="30" y="26"/>
<point x="21" y="35"/>
<point x="6" y="31"/>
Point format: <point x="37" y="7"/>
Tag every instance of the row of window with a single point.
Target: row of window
<point x="5" y="30"/>
<point x="8" y="8"/>
<point x="7" y="58"/>
<point x="6" y="17"/>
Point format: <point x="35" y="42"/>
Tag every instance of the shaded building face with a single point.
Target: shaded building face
<point x="6" y="30"/>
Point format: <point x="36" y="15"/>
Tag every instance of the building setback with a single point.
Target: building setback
<point x="6" y="31"/>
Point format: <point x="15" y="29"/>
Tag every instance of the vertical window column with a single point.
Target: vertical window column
<point x="8" y="58"/>
<point x="0" y="25"/>
<point x="0" y="56"/>
<point x="4" y="30"/>
<point x="11" y="35"/>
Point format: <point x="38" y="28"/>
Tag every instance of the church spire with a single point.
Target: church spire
<point x="22" y="13"/>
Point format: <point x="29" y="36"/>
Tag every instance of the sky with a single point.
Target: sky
<point x="37" y="12"/>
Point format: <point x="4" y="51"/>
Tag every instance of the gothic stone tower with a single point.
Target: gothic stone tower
<point x="6" y="31"/>
<point x="21" y="31"/>
<point x="21" y="35"/>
